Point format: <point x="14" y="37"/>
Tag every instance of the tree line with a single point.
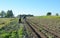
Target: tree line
<point x="49" y="14"/>
<point x="8" y="14"/>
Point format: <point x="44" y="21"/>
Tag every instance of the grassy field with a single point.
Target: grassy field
<point x="10" y="28"/>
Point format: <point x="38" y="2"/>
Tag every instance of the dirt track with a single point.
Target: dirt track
<point x="35" y="33"/>
<point x="34" y="28"/>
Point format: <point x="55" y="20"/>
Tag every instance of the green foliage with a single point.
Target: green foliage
<point x="10" y="28"/>
<point x="9" y="13"/>
<point x="2" y="14"/>
<point x="20" y="31"/>
<point x="57" y="14"/>
<point x="49" y="14"/>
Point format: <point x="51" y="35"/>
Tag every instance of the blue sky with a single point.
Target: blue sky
<point x="35" y="7"/>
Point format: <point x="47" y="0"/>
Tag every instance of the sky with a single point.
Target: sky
<point x="34" y="7"/>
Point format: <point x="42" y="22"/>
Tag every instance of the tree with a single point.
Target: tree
<point x="9" y="13"/>
<point x="49" y="14"/>
<point x="2" y="14"/>
<point x="57" y="14"/>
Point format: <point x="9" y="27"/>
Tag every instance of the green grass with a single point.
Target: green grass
<point x="48" y="17"/>
<point x="12" y="30"/>
<point x="21" y="31"/>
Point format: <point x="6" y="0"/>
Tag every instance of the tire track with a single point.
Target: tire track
<point x="37" y="32"/>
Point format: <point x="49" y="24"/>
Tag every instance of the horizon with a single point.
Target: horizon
<point x="34" y="7"/>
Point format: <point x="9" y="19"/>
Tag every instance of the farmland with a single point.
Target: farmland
<point x="45" y="26"/>
<point x="10" y="28"/>
<point x="31" y="27"/>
